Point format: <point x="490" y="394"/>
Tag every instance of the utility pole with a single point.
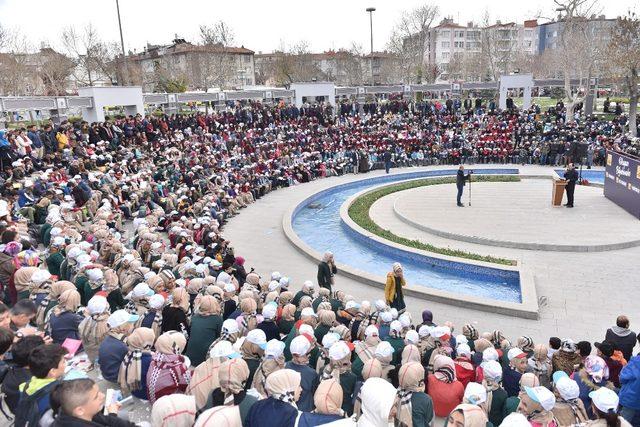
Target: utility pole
<point x="125" y="71"/>
<point x="371" y="10"/>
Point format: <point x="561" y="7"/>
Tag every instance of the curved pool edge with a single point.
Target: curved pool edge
<point x="528" y="308"/>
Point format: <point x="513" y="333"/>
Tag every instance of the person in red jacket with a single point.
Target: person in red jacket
<point x="465" y="372"/>
<point x="443" y="387"/>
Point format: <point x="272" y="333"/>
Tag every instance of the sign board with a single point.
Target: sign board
<point x="622" y="182"/>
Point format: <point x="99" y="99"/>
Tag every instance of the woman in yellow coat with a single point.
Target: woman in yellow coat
<point x="393" y="288"/>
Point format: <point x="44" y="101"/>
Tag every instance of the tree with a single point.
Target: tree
<point x="499" y="46"/>
<point x="54" y="69"/>
<point x="17" y="72"/>
<point x="349" y="66"/>
<point x="294" y="64"/>
<point x="624" y="54"/>
<point x="214" y="66"/>
<point x="408" y="42"/>
<point x="94" y="58"/>
<point x="580" y="48"/>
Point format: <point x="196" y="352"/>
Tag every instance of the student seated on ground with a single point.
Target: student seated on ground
<point x="80" y="402"/>
<point x="47" y="365"/>
<point x="22" y="314"/>
<point x="18" y="371"/>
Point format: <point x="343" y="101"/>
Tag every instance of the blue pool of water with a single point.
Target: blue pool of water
<point x="321" y="228"/>
<point x="590" y="175"/>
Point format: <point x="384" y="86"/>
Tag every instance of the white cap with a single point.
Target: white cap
<point x="275" y="275"/>
<point x="329" y="339"/>
<point x="257" y="337"/>
<point x="371" y="331"/>
<point x="269" y="311"/>
<point x="516" y="352"/>
<point x="284" y="282"/>
<point x="40" y="276"/>
<point x="546" y="399"/>
<point x="412" y="336"/>
<point x="490" y="354"/>
<point x="384" y="349"/>
<point x="58" y="241"/>
<point x="308" y="311"/>
<point x="142" y="290"/>
<point x="461" y="339"/>
<point x="405" y="320"/>
<point x="275" y="348"/>
<point x="74" y="252"/>
<point x="83" y="259"/>
<point x="351" y="304"/>
<point x="464" y="349"/>
<point x="492" y="369"/>
<point x="425" y="330"/>
<point x="440" y="331"/>
<point x="95" y="274"/>
<point x="128" y="257"/>
<point x="300" y="345"/>
<point x="386" y="316"/>
<point x="181" y="283"/>
<point x="339" y="350"/>
<point x="394" y="313"/>
<point x="567" y="388"/>
<point x="380" y="304"/>
<point x="515" y="419"/>
<point x="604" y="399"/>
<point x="273" y="285"/>
<point x="120" y="317"/>
<point x="230" y="325"/>
<point x="306" y="329"/>
<point x="223" y="349"/>
<point x="229" y="287"/>
<point x="396" y="326"/>
<point x="97" y="304"/>
<point x="156" y="301"/>
<point x="475" y="393"/>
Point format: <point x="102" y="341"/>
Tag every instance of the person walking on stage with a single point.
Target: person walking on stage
<point x="571" y="175"/>
<point x="461" y="178"/>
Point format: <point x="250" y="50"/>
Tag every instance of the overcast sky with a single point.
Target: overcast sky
<point x="260" y="25"/>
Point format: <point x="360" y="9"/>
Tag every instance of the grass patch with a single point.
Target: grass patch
<point x="359" y="213"/>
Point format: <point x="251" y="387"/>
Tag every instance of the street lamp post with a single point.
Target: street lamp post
<point x="124" y="56"/>
<point x="371" y="10"/>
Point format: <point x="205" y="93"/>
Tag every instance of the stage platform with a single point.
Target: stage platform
<point x="519" y="215"/>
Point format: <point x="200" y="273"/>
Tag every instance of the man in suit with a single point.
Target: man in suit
<point x="571" y="175"/>
<point x="460" y="182"/>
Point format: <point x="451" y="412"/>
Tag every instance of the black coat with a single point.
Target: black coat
<point x="324" y="274"/>
<point x="625" y="342"/>
<point x="461" y="178"/>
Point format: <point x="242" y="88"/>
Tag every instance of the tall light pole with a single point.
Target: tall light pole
<point x="371" y="10"/>
<point x="124" y="56"/>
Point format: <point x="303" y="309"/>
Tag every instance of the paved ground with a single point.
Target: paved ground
<point x="519" y="212"/>
<point x="581" y="293"/>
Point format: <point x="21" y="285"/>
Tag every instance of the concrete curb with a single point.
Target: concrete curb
<point x="528" y="308"/>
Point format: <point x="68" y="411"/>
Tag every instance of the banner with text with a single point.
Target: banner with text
<point x="622" y="182"/>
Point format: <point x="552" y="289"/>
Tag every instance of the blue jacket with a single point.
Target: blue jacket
<point x="64" y="326"/>
<point x="110" y="356"/>
<point x="630" y="381"/>
<point x="308" y="382"/>
<point x="35" y="139"/>
<point x="271" y="412"/>
<point x="145" y="361"/>
<point x="511" y="381"/>
<point x="308" y="419"/>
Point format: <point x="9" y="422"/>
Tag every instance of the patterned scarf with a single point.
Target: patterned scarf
<point x="130" y="376"/>
<point x="167" y="375"/>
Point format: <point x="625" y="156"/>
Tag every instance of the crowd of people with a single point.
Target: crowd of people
<point x="113" y="263"/>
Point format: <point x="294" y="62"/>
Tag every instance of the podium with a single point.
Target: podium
<point x="557" y="192"/>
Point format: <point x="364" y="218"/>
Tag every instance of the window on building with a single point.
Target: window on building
<point x="247" y="58"/>
<point x="459" y="34"/>
<point x="459" y="45"/>
<point x="445" y="45"/>
<point x="444" y="33"/>
<point x="445" y="55"/>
